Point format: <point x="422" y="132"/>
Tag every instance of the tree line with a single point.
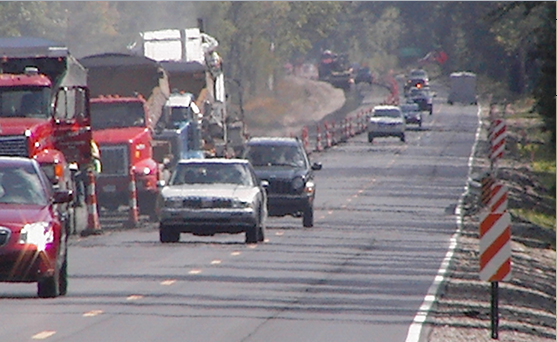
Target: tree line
<point x="511" y="43"/>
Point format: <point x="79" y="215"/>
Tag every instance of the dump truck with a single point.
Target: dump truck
<point x="335" y="69"/>
<point x="44" y="110"/>
<point x="189" y="57"/>
<point x="128" y="93"/>
<point x="463" y="88"/>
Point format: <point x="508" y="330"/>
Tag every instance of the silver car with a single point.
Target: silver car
<point x="386" y="121"/>
<point x="412" y="113"/>
<point x="210" y="196"/>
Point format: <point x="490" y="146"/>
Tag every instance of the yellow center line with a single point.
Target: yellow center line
<point x="216" y="262"/>
<point x="235" y="253"/>
<point x="92" y="313"/>
<point x="329" y="212"/>
<point x="279" y="233"/>
<point x="43" y="335"/>
<point x="134" y="297"/>
<point x="168" y="282"/>
<point x="194" y="271"/>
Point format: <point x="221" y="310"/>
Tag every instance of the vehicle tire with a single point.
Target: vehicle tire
<point x="402" y="138"/>
<point x="420" y="124"/>
<point x="252" y="234"/>
<point x="307" y="218"/>
<point x="168" y="235"/>
<point x="369" y="137"/>
<point x="261" y="227"/>
<point x="47" y="287"/>
<point x="63" y="278"/>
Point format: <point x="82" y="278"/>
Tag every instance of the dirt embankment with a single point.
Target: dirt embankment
<point x="296" y="102"/>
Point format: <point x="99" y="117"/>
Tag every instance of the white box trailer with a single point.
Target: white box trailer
<point x="463" y="88"/>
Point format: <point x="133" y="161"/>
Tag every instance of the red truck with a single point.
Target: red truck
<point x="44" y="109"/>
<point x="127" y="96"/>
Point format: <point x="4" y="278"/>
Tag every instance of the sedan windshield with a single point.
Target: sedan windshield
<point x="21" y="186"/>
<point x="212" y="173"/>
<point x="387" y="113"/>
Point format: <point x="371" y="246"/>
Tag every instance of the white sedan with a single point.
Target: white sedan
<point x="386" y="121"/>
<point x="210" y="196"/>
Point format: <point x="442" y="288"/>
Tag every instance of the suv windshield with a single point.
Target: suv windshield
<point x="276" y="155"/>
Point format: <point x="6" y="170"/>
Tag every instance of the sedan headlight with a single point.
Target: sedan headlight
<point x="173" y="202"/>
<point x="298" y="184"/>
<point x="39" y="234"/>
<point x="310" y="187"/>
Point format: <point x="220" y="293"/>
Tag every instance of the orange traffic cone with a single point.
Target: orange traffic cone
<point x="133" y="213"/>
<point x="93" y="224"/>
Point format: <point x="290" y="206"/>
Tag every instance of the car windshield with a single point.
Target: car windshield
<point x="117" y="115"/>
<point x="21" y="186"/>
<point x="409" y="108"/>
<point x="276" y="155"/>
<point x="25" y="102"/>
<point x="387" y="113"/>
<point x="212" y="173"/>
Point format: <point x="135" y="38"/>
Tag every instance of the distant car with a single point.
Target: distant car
<point x="423" y="97"/>
<point x="284" y="164"/>
<point x="33" y="228"/>
<point x="363" y="75"/>
<point x="412" y="113"/>
<point x="416" y="82"/>
<point x="419" y="73"/>
<point x="210" y="196"/>
<point x="386" y="121"/>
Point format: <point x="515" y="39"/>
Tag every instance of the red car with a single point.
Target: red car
<point x="33" y="227"/>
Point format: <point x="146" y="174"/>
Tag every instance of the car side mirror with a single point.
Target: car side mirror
<point x="63" y="196"/>
<point x="264" y="184"/>
<point x="316" y="166"/>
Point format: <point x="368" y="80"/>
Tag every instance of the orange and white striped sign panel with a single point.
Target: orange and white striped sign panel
<point x="495" y="247"/>
<point x="498" y="202"/>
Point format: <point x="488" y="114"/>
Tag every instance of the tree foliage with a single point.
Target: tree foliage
<point x="513" y="42"/>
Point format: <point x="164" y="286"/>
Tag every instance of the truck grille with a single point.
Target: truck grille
<point x="114" y="160"/>
<point x="14" y="146"/>
<point x="206" y="203"/>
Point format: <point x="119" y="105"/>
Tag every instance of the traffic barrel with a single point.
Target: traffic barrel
<point x="133" y="212"/>
<point x="305" y="138"/>
<point x="93" y="223"/>
<point x="327" y="135"/>
<point x="318" y="146"/>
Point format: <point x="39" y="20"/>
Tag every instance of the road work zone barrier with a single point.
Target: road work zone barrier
<point x="133" y="212"/>
<point x="93" y="223"/>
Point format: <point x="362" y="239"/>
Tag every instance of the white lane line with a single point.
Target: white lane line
<point x="416" y="327"/>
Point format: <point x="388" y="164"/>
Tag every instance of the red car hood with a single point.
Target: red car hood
<point x="17" y="126"/>
<point x="16" y="215"/>
<point x="117" y="135"/>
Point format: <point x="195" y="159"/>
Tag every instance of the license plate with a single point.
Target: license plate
<point x="109" y="188"/>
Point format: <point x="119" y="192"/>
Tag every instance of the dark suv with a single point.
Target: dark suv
<point x="284" y="164"/>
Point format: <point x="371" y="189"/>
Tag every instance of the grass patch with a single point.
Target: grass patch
<point x="537" y="218"/>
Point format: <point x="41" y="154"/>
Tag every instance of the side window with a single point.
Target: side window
<point x="71" y="103"/>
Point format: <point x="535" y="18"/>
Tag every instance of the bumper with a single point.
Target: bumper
<point x="281" y="205"/>
<point x="26" y="264"/>
<point x="209" y="221"/>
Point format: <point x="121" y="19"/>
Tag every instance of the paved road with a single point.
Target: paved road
<point x="384" y="217"/>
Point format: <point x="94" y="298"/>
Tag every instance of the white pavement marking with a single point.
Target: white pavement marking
<point x="416" y="327"/>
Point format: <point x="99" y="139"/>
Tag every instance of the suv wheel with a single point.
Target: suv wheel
<point x="370" y="137"/>
<point x="63" y="278"/>
<point x="47" y="287"/>
<point x="252" y="234"/>
<point x="402" y="137"/>
<point x="168" y="235"/>
<point x="307" y="218"/>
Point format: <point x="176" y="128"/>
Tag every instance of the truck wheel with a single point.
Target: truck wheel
<point x="167" y="234"/>
<point x="252" y="234"/>
<point x="307" y="219"/>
